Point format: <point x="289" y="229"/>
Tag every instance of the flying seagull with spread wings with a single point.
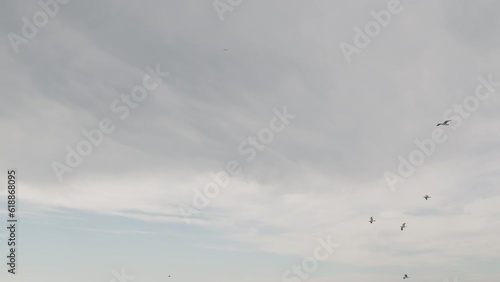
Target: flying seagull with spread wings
<point x="426" y="197"/>
<point x="403" y="226"/>
<point x="371" y="220"/>
<point x="445" y="123"/>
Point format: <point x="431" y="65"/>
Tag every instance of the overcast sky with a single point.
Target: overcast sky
<point x="321" y="175"/>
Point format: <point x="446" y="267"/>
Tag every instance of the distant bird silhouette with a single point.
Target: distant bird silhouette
<point x="445" y="123"/>
<point x="371" y="220"/>
<point x="403" y="226"/>
<point x="406" y="276"/>
<point x="225" y="50"/>
<point x="426" y="197"/>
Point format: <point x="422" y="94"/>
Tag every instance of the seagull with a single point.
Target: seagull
<point x="403" y="226"/>
<point x="406" y="276"/>
<point x="371" y="220"/>
<point x="426" y="197"/>
<point x="445" y="123"/>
